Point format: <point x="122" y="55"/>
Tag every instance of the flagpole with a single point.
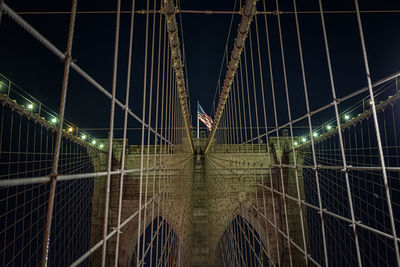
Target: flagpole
<point x="198" y="129"/>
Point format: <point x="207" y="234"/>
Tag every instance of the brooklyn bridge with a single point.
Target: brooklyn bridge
<point x="107" y="158"/>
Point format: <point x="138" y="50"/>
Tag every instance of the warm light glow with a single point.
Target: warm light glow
<point x="53" y="120"/>
<point x="30" y="106"/>
<point x="93" y="142"/>
<point x="101" y="145"/>
<point x="315" y="134"/>
<point x="83" y="137"/>
<point x="329" y="127"/>
<point x="304" y="139"/>
<point x="296" y="143"/>
<point x="347" y="117"/>
<point x="70" y="129"/>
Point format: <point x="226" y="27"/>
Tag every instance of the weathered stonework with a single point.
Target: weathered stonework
<point x="204" y="194"/>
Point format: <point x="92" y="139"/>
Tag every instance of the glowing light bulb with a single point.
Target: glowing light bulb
<point x="30" y="106"/>
<point x="83" y="137"/>
<point x="315" y="134"/>
<point x="296" y="143"/>
<point x="53" y="120"/>
<point x="70" y="129"/>
<point x="304" y="139"/>
<point x="101" y="145"/>
<point x="94" y="142"/>
<point x="347" y="117"/>
<point x="329" y="127"/>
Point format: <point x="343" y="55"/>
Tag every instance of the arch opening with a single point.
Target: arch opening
<point x="158" y="245"/>
<point x="241" y="245"/>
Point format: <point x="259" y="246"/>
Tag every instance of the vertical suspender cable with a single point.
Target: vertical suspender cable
<point x="111" y="135"/>
<point x="138" y="263"/>
<point x="155" y="142"/>
<point x="278" y="258"/>
<point x="163" y="78"/>
<point x="249" y="11"/>
<point x="121" y="179"/>
<point x="378" y="135"/>
<point x="265" y="122"/>
<point x="172" y="28"/>
<point x="148" y="131"/>
<point x="257" y="128"/>
<point x="53" y="182"/>
<point x="243" y="105"/>
<point x="343" y="154"/>
<point x="295" y="158"/>
<point x="316" y="172"/>
<point x="278" y="155"/>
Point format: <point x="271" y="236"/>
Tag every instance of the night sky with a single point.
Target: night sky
<point x="31" y="66"/>
<point x="27" y="63"/>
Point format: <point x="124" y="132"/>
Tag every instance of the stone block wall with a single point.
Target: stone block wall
<point x="204" y="193"/>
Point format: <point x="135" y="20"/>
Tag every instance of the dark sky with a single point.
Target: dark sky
<point x="27" y="63"/>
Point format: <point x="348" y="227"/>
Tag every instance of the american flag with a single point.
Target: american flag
<point x="204" y="117"/>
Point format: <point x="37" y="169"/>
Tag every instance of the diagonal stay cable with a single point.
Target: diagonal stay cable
<point x="37" y="35"/>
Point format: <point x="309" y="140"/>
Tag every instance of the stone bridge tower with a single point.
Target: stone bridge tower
<point x="200" y="204"/>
